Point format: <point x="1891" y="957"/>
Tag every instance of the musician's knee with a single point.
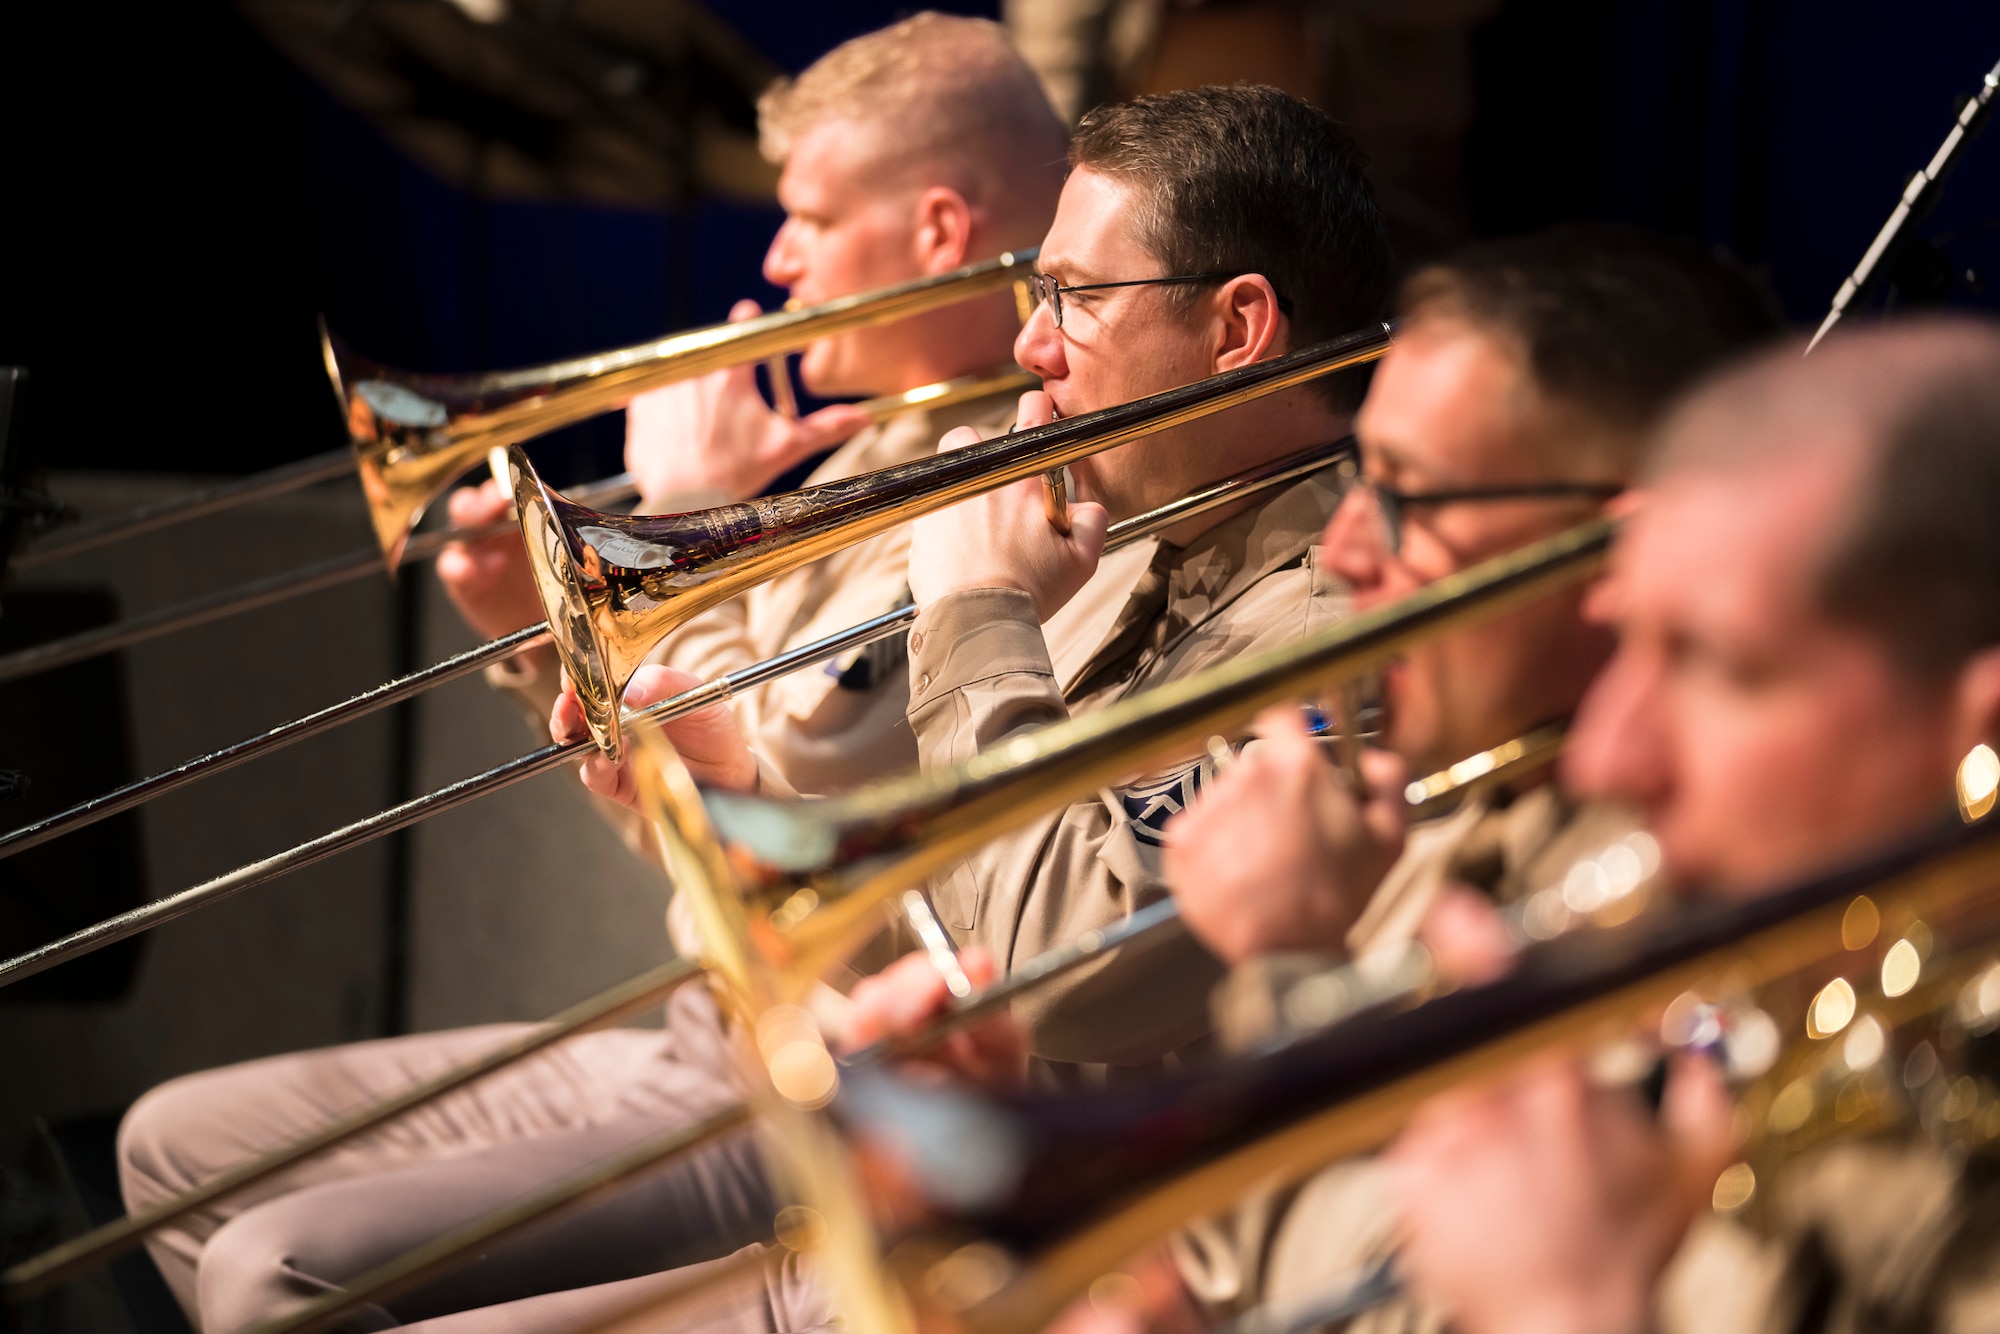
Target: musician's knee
<point x="257" y="1268"/>
<point x="156" y="1142"/>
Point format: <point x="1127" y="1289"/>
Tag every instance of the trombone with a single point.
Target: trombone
<point x="412" y="435"/>
<point x="537" y="761"/>
<point x="615" y="586"/>
<point x="745" y="544"/>
<point x="356" y="565"/>
<point x="1494" y="589"/>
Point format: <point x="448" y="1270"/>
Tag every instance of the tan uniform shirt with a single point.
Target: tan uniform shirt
<point x="981" y="670"/>
<point x="1284" y="1244"/>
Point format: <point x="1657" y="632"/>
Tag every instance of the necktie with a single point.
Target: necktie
<point x="1141" y="624"/>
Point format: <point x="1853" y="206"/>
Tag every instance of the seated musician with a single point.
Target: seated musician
<point x="961" y="160"/>
<point x="1526" y="376"/>
<point x="906" y="152"/>
<point x="1807" y="617"/>
<point x="1253" y="205"/>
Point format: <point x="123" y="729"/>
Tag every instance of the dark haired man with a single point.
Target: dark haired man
<point x="1198" y="231"/>
<point x="1525" y="376"/>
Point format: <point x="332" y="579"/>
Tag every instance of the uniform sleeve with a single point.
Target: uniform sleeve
<point x="979" y="673"/>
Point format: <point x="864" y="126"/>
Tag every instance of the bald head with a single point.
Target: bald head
<point x="934" y="100"/>
<point x="1909" y="412"/>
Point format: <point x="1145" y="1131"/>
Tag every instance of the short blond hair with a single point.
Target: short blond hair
<point x="941" y="86"/>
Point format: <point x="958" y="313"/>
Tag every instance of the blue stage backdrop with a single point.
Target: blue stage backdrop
<point x="183" y="203"/>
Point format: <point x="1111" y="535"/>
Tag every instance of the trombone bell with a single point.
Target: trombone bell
<point x="614" y="586"/>
<point x="404" y="448"/>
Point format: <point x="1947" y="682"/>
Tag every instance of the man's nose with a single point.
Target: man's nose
<point x="1039" y="346"/>
<point x="1617" y="747"/>
<point x="1352" y="545"/>
<point x="783" y="265"/>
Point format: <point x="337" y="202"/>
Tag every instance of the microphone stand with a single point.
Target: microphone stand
<point x="1919" y="196"/>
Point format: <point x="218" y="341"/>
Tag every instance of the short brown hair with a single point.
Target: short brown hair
<point x="1915" y="560"/>
<point x="945" y="87"/>
<point x="1248" y="179"/>
<point x="1610" y="319"/>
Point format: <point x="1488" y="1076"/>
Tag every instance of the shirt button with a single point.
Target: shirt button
<point x="917" y="641"/>
<point x="924" y="683"/>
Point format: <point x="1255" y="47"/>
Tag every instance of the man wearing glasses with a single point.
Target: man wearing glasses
<point x="1514" y="404"/>
<point x="1525" y="380"/>
<point x="1198" y="231"/>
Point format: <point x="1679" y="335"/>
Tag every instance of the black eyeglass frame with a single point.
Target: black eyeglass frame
<point x="1391" y="503"/>
<point x="1045" y="290"/>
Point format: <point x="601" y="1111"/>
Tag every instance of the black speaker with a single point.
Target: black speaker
<point x="65" y="735"/>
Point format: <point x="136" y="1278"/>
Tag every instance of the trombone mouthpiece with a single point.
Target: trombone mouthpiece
<point x="503" y="473"/>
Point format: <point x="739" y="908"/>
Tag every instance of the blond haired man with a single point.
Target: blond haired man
<point x="906" y="152"/>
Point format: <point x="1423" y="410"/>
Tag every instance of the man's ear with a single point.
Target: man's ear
<point x="1249" y="326"/>
<point x="942" y="235"/>
<point x="1977" y="700"/>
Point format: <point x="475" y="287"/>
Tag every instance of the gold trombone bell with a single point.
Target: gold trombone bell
<point x="413" y="435"/>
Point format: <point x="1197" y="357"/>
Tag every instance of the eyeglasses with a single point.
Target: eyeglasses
<point x="1393" y="505"/>
<point x="1043" y="288"/>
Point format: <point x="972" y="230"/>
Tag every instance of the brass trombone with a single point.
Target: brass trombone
<point x="1074" y="1205"/>
<point x="1085" y="1183"/>
<point x="614" y="586"/>
<point x="537" y="761"/>
<point x="413" y="435"/>
<point x="356" y="565"/>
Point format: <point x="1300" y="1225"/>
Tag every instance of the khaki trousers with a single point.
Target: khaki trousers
<point x="270" y="1250"/>
<point x="783" y="1298"/>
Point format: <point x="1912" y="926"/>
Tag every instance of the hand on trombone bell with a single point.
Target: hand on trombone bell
<point x="714" y="440"/>
<point x="1006" y="538"/>
<point x="1319" y="853"/>
<point x="708" y="739"/>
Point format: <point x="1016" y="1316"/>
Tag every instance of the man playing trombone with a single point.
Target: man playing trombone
<point x="1522" y="380"/>
<point x="885" y="180"/>
<point x="1525" y="380"/>
<point x="1198" y="231"/>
